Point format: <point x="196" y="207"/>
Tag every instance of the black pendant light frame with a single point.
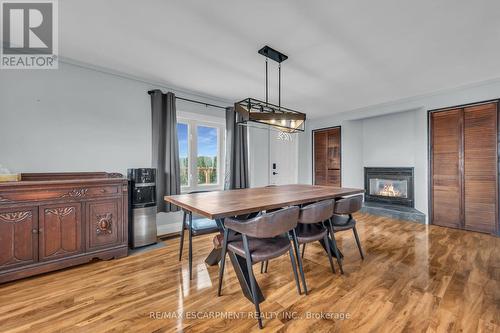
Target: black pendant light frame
<point x="258" y="111"/>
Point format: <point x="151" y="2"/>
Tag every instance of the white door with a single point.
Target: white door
<point x="283" y="158"/>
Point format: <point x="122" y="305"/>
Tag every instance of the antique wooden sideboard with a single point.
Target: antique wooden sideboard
<point x="56" y="220"/>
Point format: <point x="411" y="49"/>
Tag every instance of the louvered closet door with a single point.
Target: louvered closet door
<point x="446" y="162"/>
<point x="480" y="167"/>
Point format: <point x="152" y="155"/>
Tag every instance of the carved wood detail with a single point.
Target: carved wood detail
<point x="104" y="223"/>
<point x="3" y="199"/>
<point x="60" y="212"/>
<point x="76" y="193"/>
<point x="15" y="217"/>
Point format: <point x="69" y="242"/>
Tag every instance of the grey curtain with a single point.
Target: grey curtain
<point x="165" y="148"/>
<point x="236" y="152"/>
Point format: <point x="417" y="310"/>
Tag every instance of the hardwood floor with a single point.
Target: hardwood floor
<point x="415" y="278"/>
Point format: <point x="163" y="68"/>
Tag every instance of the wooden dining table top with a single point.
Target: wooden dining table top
<point x="220" y="204"/>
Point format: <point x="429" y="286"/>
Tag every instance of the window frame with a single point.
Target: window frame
<point x="193" y="121"/>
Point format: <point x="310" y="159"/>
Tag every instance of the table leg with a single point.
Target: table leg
<point x="331" y="248"/>
<point x="239" y="266"/>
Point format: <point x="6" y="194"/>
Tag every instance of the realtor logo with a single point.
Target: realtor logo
<point x="29" y="34"/>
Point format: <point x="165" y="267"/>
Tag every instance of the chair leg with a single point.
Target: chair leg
<point x="252" y="279"/>
<point x="267" y="265"/>
<point x="294" y="267"/>
<point x="303" y="250"/>
<point x="262" y="267"/>
<point x="335" y="249"/>
<point x="190" y="246"/>
<point x="299" y="260"/>
<point x="181" y="245"/>
<point x="358" y="242"/>
<point x="328" y="251"/>
<point x="223" y="261"/>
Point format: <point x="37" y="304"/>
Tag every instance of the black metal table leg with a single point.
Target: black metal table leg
<point x="332" y="251"/>
<point x="239" y="265"/>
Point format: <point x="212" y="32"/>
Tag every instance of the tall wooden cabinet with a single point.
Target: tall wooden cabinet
<point x="464" y="167"/>
<point x="327" y="156"/>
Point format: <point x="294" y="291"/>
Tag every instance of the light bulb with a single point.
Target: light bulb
<point x="273" y="121"/>
<point x="292" y="124"/>
<point x="283" y="122"/>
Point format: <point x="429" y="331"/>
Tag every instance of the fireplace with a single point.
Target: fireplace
<point x="389" y="186"/>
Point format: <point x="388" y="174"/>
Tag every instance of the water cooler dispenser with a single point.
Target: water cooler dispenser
<point x="142" y="206"/>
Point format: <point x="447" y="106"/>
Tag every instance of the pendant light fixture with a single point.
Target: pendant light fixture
<point x="254" y="110"/>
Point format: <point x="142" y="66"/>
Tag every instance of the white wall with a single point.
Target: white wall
<point x="363" y="142"/>
<point x="78" y="119"/>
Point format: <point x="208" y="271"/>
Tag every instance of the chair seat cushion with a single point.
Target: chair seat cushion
<point x="307" y="233"/>
<point x="203" y="226"/>
<point x="261" y="249"/>
<point x="342" y="222"/>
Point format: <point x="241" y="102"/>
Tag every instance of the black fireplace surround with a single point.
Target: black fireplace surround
<point x="390" y="186"/>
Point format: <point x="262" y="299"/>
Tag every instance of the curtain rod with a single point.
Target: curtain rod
<point x="193" y="101"/>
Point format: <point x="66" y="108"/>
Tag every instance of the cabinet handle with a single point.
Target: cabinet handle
<point x="34" y="231"/>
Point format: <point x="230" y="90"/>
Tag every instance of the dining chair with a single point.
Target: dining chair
<point x="262" y="238"/>
<point x="196" y="226"/>
<point x="311" y="228"/>
<point x="342" y="219"/>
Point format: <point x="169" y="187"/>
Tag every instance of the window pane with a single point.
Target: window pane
<point x="182" y="137"/>
<point x="207" y="155"/>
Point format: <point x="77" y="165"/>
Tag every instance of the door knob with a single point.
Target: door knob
<point x="274" y="173"/>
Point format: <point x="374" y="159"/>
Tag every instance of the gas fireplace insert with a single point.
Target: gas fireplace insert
<point x="390" y="186"/>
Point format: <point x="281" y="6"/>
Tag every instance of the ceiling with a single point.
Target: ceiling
<point x="343" y="55"/>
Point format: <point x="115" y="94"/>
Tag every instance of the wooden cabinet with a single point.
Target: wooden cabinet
<point x="103" y="228"/>
<point x="18" y="237"/>
<point x="59" y="231"/>
<point x="52" y="221"/>
<point x="464" y="167"/>
<point x="327" y="157"/>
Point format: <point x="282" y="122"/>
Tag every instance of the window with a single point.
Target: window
<point x="207" y="155"/>
<point x="201" y="158"/>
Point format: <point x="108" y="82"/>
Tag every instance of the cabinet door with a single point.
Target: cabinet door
<point x="60" y="231"/>
<point x="480" y="167"/>
<point x="320" y="160"/>
<point x="104" y="224"/>
<point x="18" y="237"/>
<point x="446" y="168"/>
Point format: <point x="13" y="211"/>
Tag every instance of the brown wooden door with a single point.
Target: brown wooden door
<point x="480" y="168"/>
<point x="18" y="237"/>
<point x="60" y="231"/>
<point x="327" y="157"/>
<point x="103" y="227"/>
<point x="446" y="168"/>
<point x="320" y="144"/>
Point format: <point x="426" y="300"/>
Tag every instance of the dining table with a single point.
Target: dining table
<point x="248" y="202"/>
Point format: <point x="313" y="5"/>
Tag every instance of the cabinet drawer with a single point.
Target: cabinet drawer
<point x="103" y="190"/>
<point x="104" y="224"/>
<point x="82" y="192"/>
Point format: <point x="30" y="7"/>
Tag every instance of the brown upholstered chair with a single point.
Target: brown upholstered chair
<point x="311" y="228"/>
<point x="263" y="238"/>
<point x="343" y="220"/>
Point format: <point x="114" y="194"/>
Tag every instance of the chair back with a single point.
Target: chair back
<point x="267" y="225"/>
<point x="316" y="212"/>
<point x="348" y="205"/>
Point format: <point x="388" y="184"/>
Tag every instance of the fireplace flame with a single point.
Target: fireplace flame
<point x="389" y="191"/>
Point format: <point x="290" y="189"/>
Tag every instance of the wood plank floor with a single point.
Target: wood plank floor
<point x="415" y="278"/>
